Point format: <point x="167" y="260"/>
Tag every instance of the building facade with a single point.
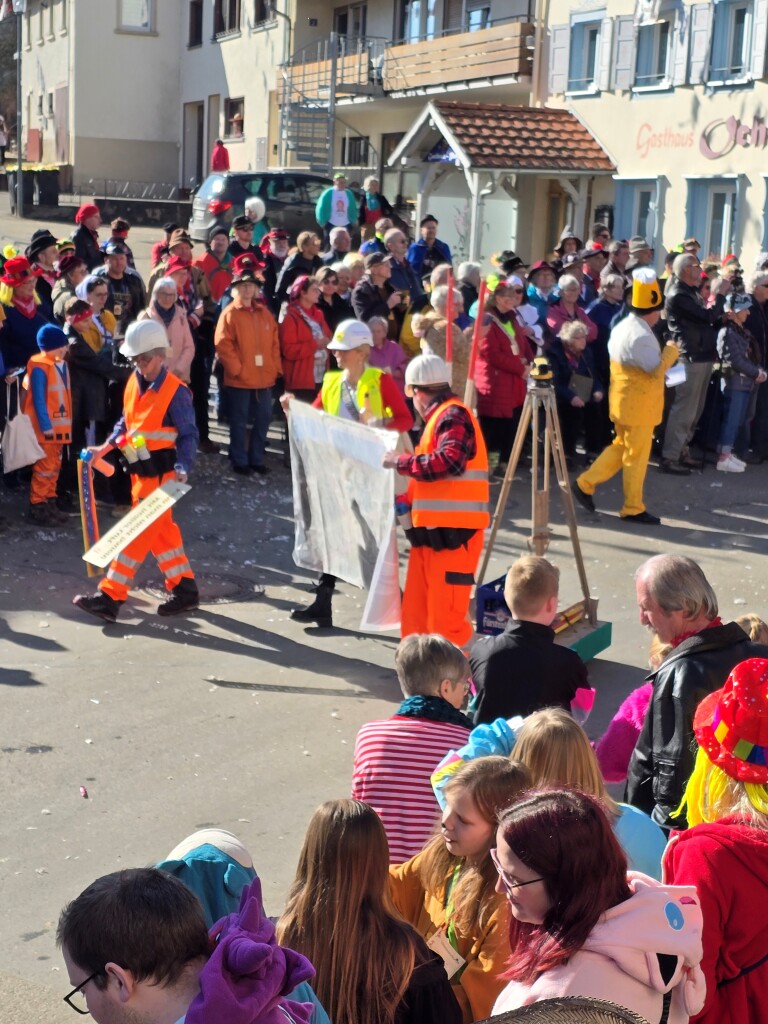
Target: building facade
<point x="676" y="93"/>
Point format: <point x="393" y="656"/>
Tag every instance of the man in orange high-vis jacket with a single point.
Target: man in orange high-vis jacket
<point x="448" y="498"/>
<point x="157" y="408"/>
<point x="48" y="403"/>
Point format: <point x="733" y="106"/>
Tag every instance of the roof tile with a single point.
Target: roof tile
<point x="495" y="135"/>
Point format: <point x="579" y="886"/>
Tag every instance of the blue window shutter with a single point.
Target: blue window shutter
<point x="696" y="209"/>
<point x="559" y="36"/>
<point x="624" y="53"/>
<point x="680" y="49"/>
<point x="759" y="33"/>
<point x="625" y="197"/>
<point x="701" y="27"/>
<point x="604" y="51"/>
<point x="576" y="69"/>
<point x="718" y="59"/>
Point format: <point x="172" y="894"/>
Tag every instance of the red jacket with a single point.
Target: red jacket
<point x="727" y="861"/>
<point x="499" y="371"/>
<point x="219" y="276"/>
<point x="557" y="315"/>
<point x="298" y="347"/>
<point x="220" y="158"/>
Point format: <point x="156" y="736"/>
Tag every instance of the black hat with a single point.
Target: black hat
<point x="115" y="249"/>
<point x="41" y="239"/>
<point x="169" y="227"/>
<point x="242" y="222"/>
<point x="217" y="231"/>
<point x="374" y="258"/>
<point x="508" y="261"/>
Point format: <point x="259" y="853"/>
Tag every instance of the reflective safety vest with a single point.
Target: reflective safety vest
<point x="59" y="398"/>
<point x="460" y="502"/>
<point x="368" y="392"/>
<point x="144" y="413"/>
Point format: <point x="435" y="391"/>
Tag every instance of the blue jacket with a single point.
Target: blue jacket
<point x="405" y="278"/>
<point x="418" y="250"/>
<point x="563" y="371"/>
<point x="18" y="338"/>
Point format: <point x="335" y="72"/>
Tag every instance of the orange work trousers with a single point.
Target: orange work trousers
<point x="438" y="587"/>
<point x="45" y="473"/>
<point x="162" y="538"/>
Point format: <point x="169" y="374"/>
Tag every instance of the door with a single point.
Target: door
<point x="192" y="160"/>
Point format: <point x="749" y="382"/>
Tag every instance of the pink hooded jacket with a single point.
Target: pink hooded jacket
<point x="640" y="950"/>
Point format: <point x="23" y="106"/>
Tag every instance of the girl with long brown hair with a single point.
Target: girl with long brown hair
<point x="448" y="890"/>
<point x="372" y="967"/>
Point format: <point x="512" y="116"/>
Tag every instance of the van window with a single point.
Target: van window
<point x="211" y="187"/>
<point x="253" y="186"/>
<point x="284" y="188"/>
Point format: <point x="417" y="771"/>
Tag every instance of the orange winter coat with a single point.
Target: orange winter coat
<point x="247" y="346"/>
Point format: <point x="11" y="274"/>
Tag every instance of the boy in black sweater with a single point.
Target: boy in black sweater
<point x="523" y="669"/>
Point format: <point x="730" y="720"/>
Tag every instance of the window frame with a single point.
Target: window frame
<point x="352" y="142"/>
<point x="193" y="44"/>
<point x="659" y="80"/>
<point x="580" y="32"/>
<point x="137" y="30"/>
<point x="230" y="112"/>
<point x="699" y="215"/>
<point x="232" y="27"/>
<point x="726" y="75"/>
<point x="270" y="18"/>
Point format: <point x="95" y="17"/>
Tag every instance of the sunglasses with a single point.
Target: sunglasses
<point x="518" y="291"/>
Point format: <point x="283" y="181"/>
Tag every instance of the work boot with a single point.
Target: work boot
<point x="185" y="597"/>
<point x="320" y="611"/>
<point x="40" y="513"/>
<point x="100" y="604"/>
<point x="58" y="516"/>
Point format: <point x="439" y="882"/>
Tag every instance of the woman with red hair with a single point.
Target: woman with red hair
<point x="581" y="924"/>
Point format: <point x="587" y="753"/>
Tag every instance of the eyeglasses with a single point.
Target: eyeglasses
<point x="142" y="360"/>
<point x="244" y="227"/>
<point x="76" y="998"/>
<point x="508" y="885"/>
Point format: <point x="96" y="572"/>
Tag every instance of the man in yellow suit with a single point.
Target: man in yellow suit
<point x="635" y="400"/>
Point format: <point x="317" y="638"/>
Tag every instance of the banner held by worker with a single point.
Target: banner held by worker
<point x="343" y="502"/>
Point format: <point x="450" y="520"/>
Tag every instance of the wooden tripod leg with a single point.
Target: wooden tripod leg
<point x="539" y="541"/>
<point x="566" y="494"/>
<point x="501" y="503"/>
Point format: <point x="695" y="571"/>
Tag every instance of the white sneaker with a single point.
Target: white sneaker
<point x="730" y="465"/>
<point x="738" y="461"/>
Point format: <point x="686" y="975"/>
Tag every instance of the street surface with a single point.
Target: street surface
<point x="235" y="716"/>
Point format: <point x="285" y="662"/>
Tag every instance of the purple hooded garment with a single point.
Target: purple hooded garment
<point x="248" y="973"/>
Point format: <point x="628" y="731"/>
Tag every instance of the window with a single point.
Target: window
<point x="226" y="17"/>
<point x="51" y="29"/>
<point x="711" y="215"/>
<point x="582" y="65"/>
<point x="263" y="11"/>
<point x="195" y="37"/>
<point x="652" y="54"/>
<point x="253" y="186"/>
<point x="234" y="114"/>
<point x="418" y="20"/>
<point x="349" y="22"/>
<point x="284" y="188"/>
<point x="313" y="189"/>
<point x="63" y="6"/>
<point x="731" y="41"/>
<point x="40" y="26"/>
<point x="354" y="151"/>
<point x="477" y="16"/>
<point x="635" y="209"/>
<point x="135" y="15"/>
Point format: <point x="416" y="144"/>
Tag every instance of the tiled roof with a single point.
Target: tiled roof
<point x="524" y="138"/>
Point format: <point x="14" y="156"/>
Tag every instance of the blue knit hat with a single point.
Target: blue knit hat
<point x="51" y="337"/>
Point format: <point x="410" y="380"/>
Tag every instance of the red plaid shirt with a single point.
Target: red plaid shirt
<point x="455" y="444"/>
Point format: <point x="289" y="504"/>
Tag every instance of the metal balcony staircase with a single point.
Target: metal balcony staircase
<point x="312" y="82"/>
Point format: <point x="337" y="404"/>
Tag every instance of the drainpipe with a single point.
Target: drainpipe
<point x="19" y="115"/>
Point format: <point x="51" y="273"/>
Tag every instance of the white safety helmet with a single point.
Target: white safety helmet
<point x="255" y="210"/>
<point x="426" y="371"/>
<point x="143" y="336"/>
<point x="350" y="334"/>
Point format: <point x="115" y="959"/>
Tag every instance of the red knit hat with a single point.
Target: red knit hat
<point x="86" y="210"/>
<point x="17" y="270"/>
<point x="731" y="724"/>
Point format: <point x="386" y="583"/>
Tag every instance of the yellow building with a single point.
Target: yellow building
<point x="676" y="94"/>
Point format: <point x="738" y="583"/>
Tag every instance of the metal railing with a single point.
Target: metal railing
<point x="110" y="188"/>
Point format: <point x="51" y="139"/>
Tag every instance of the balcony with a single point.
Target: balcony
<point x="500" y="51"/>
<point x="376" y="67"/>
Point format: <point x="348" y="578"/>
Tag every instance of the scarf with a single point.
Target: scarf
<point x="372" y="200"/>
<point x="717" y="621"/>
<point x="27" y="307"/>
<point x="317" y="331"/>
<point x="433" y="708"/>
<point x="166" y="315"/>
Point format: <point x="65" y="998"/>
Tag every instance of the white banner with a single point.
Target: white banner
<point x="135" y="522"/>
<point x="343" y="505"/>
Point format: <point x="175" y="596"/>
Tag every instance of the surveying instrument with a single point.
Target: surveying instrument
<point x="576" y="627"/>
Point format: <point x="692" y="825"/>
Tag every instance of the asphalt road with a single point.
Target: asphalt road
<point x="235" y="716"/>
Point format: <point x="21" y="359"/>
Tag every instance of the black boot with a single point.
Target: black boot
<point x="319" y="611"/>
<point x="184" y="598"/>
<point x="101" y="605"/>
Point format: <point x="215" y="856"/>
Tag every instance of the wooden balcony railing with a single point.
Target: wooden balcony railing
<point x="468" y="56"/>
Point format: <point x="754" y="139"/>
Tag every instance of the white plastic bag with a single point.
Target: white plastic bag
<point x="20" y="445"/>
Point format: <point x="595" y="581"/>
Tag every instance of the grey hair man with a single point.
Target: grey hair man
<point x="468" y="280"/>
<point x="678" y="604"/>
<point x="395" y="758"/>
<point x="340" y="242"/>
<point x="694" y="327"/>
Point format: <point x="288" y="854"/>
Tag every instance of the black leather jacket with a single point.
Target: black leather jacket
<point x="663" y="759"/>
<point x="693" y="326"/>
